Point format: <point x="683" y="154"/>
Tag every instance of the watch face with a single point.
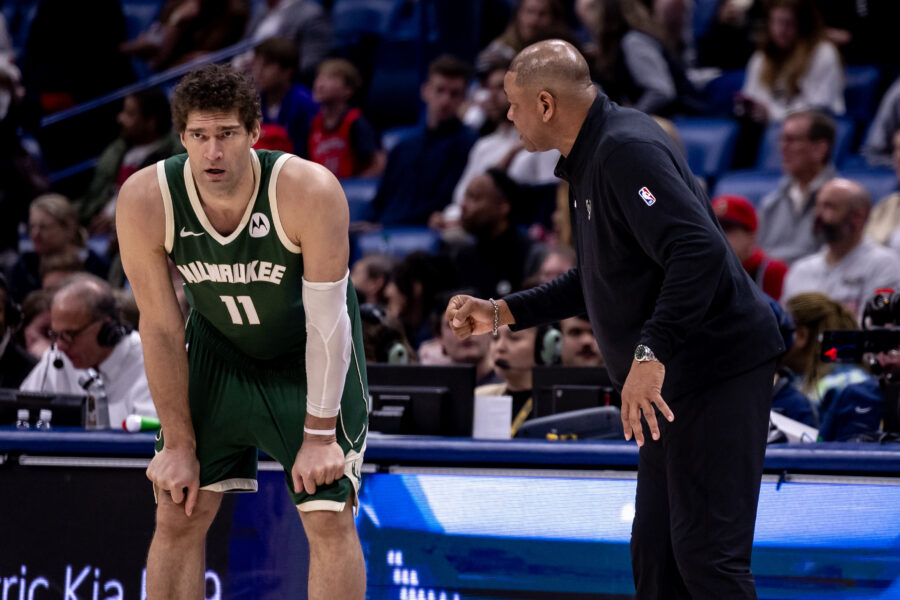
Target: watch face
<point x="640" y="353"/>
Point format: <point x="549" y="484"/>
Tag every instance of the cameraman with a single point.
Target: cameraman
<point x="857" y="411"/>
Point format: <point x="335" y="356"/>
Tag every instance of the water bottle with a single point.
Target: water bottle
<point x="22" y="419"/>
<point x="102" y="401"/>
<point x="43" y="422"/>
<point x="97" y="410"/>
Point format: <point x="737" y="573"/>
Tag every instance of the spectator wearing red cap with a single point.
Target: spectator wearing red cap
<point x="274" y="137"/>
<point x="738" y="218"/>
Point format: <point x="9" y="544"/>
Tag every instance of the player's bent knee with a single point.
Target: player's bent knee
<point x="172" y="520"/>
<point x="328" y="524"/>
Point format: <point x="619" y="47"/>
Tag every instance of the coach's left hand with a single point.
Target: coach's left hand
<point x="643" y="390"/>
<point x="320" y="461"/>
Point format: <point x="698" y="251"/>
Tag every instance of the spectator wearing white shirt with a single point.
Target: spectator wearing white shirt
<point x="795" y="67"/>
<point x="89" y="337"/>
<point x="849" y="268"/>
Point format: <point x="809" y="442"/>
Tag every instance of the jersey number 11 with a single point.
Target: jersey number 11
<point x="235" y="313"/>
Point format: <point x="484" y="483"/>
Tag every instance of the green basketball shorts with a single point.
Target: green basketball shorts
<point x="240" y="405"/>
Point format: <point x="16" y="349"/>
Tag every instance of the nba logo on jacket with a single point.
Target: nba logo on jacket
<point x="647" y="196"/>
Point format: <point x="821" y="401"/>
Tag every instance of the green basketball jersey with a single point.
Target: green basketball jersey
<point x="247" y="284"/>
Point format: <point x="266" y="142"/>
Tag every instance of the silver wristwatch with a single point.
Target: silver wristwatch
<point x="643" y="354"/>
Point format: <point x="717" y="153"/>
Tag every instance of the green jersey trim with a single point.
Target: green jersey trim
<point x="273" y="204"/>
<point x="201" y="215"/>
<point x="167" y="205"/>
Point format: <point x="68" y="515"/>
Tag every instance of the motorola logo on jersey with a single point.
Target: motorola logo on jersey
<point x="259" y="225"/>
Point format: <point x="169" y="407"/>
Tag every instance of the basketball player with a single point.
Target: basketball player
<point x="273" y="359"/>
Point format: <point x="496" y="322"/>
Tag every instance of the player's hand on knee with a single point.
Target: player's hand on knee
<point x="469" y="316"/>
<point x="640" y="394"/>
<point x="319" y="462"/>
<point x="177" y="472"/>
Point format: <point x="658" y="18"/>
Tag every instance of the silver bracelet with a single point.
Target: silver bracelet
<point x="319" y="431"/>
<point x="496" y="315"/>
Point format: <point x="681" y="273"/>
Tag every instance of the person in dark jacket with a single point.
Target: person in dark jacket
<point x="423" y="169"/>
<point x="15" y="362"/>
<point x="498" y="257"/>
<point x="685" y="332"/>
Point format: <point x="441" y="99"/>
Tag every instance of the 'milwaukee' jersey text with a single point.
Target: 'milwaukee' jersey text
<point x="256" y="270"/>
<point x="246" y="283"/>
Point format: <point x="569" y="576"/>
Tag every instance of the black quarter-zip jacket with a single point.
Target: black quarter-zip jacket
<point x="654" y="266"/>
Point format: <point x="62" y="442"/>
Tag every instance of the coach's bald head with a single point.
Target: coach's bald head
<point x="550" y="92"/>
<point x="554" y="65"/>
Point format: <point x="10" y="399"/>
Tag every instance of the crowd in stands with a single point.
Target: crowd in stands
<point x="450" y="199"/>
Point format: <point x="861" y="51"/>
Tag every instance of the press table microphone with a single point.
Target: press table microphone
<point x="58" y="361"/>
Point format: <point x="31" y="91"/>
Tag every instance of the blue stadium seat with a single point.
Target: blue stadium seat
<point x="393" y="136"/>
<point x="360" y="192"/>
<point x="394" y="98"/>
<point x="855" y="161"/>
<point x="355" y="18"/>
<point x="719" y="92"/>
<point x="769" y="157"/>
<point x="705" y="12"/>
<point x="878" y="181"/>
<point x="709" y="144"/>
<point x="861" y="92"/>
<point x="750" y="184"/>
<point x="397" y="241"/>
<point x="18" y="15"/>
<point x="139" y="15"/>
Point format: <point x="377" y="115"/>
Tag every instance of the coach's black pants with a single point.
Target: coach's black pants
<point x="697" y="491"/>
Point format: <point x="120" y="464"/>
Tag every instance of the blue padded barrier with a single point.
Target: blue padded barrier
<point x="823" y="457"/>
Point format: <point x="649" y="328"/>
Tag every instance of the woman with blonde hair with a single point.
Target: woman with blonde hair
<point x="533" y="20"/>
<point x="814" y="313"/>
<point x="54" y="230"/>
<point x="795" y="67"/>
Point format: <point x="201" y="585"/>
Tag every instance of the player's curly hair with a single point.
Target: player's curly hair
<point x="215" y="88"/>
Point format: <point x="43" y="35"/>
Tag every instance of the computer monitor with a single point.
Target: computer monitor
<point x="421" y="400"/>
<point x="68" y="410"/>
<point x="558" y="389"/>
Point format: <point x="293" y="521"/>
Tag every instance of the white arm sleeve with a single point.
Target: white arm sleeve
<point x="327" y="345"/>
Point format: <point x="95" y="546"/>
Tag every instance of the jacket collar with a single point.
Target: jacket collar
<point x="586" y="141"/>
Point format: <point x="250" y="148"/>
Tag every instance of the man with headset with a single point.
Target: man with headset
<point x="92" y="349"/>
<point x="515" y="354"/>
